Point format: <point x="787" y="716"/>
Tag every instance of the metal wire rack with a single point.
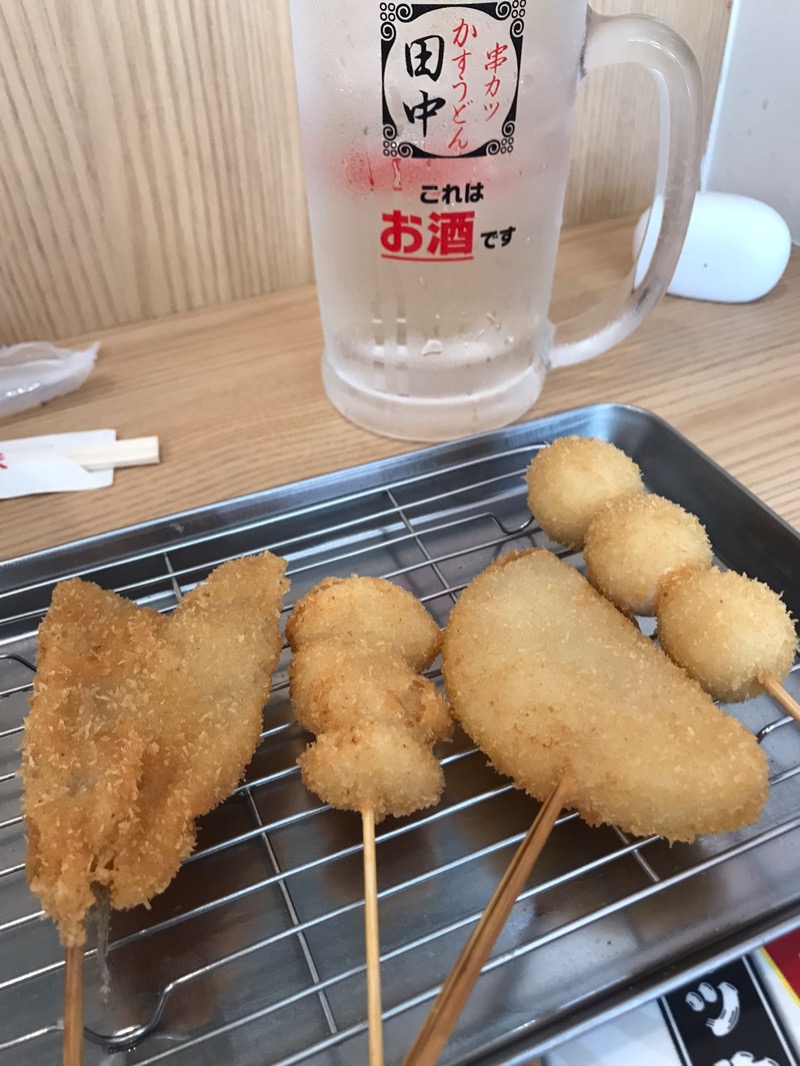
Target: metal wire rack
<point x="255" y="953"/>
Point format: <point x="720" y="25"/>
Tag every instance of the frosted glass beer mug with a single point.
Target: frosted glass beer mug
<point x="436" y="144"/>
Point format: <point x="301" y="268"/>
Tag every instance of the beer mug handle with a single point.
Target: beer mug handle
<point x="645" y="41"/>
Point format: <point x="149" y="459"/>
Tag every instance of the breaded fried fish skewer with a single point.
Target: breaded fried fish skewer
<point x="359" y="645"/>
<point x="567" y="697"/>
<point x="546" y="675"/>
<point x="140" y="723"/>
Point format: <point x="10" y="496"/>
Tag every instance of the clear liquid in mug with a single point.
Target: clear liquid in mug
<point x="436" y="143"/>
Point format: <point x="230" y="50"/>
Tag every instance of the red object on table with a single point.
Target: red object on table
<point x="784" y="954"/>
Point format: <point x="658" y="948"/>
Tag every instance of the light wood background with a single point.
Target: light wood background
<point x="149" y="155"/>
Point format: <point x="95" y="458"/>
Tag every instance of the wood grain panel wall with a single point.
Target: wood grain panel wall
<point x="149" y="155"/>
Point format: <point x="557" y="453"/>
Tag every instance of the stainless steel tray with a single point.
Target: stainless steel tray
<point x="255" y="952"/>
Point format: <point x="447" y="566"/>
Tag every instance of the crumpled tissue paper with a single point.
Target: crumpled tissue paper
<point x="35" y="372"/>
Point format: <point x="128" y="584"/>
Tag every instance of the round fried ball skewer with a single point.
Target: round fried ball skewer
<point x="571" y="479"/>
<point x="359" y="645"/>
<point x="731" y="633"/>
<point x="634" y="542"/>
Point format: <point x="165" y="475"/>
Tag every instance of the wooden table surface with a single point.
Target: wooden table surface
<point x="234" y="393"/>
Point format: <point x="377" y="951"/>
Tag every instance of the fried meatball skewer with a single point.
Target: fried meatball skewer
<point x="572" y="479"/>
<point x="632" y="544"/>
<point x="731" y="633"/>
<point x="588" y="494"/>
<point x="359" y="646"/>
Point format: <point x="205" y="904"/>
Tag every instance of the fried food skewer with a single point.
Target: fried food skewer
<point x="588" y="494"/>
<point x="437" y="1027"/>
<point x="572" y="479"/>
<point x="546" y="675"/>
<point x="557" y="687"/>
<point x="359" y="645"/>
<point x="731" y="633"/>
<point x="139" y="723"/>
<point x="567" y="697"/>
<point x="634" y="543"/>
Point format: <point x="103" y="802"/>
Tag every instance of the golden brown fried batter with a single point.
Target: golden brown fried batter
<point x="140" y="723"/>
<point x="571" y="479"/>
<point x="633" y="543"/>
<point x="726" y="630"/>
<point x="358" y="646"/>
<point x="547" y="676"/>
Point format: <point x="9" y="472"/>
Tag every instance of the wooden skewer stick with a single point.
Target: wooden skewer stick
<point x="780" y="695"/>
<point x="436" y="1029"/>
<point x="73" y="1007"/>
<point x="374" y="1010"/>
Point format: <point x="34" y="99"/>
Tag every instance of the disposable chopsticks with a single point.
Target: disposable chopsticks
<point x="136" y="451"/>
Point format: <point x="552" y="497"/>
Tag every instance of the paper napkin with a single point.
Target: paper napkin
<point x="32" y="465"/>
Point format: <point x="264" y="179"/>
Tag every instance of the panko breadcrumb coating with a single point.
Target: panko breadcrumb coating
<point x="139" y="723"/>
<point x="548" y="677"/>
<point x="635" y="542"/>
<point x="726" y="630"/>
<point x="358" y="646"/>
<point x="571" y="479"/>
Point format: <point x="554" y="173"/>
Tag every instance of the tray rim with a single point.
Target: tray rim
<point x="168" y="528"/>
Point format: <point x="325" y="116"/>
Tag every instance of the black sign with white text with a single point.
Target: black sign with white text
<point x="725" y="1019"/>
